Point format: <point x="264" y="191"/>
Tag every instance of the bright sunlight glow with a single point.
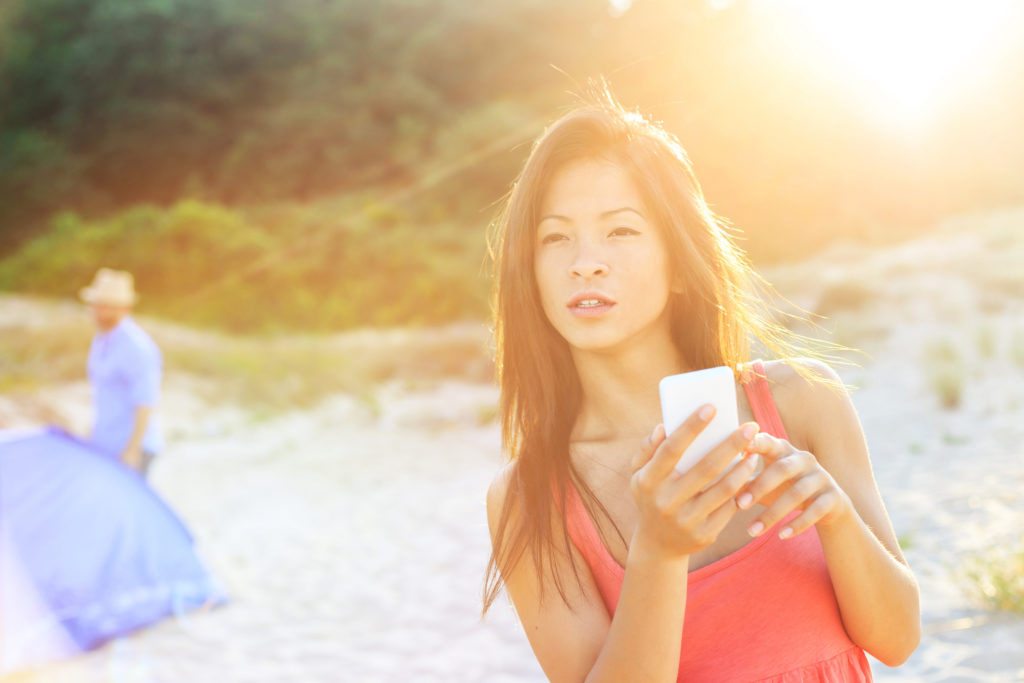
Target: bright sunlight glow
<point x="902" y="54"/>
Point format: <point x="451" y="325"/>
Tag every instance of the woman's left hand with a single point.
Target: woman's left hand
<point x="791" y="480"/>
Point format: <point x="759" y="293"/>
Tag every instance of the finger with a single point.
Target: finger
<point x="775" y="475"/>
<point x="717" y="518"/>
<point x="667" y="454"/>
<point x="647" y="448"/>
<point x="795" y="497"/>
<point x="812" y="514"/>
<point x="710" y="467"/>
<point x="723" y="492"/>
<point x="770" y="447"/>
<point x="703" y="475"/>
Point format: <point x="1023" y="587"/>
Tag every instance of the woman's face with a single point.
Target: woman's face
<point x="600" y="262"/>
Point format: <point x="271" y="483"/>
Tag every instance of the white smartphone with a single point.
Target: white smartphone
<point x="682" y="395"/>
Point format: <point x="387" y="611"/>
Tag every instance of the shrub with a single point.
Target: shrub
<point x="987" y="342"/>
<point x="945" y="372"/>
<point x="1017" y="348"/>
<point x="32" y="356"/>
<point x="318" y="269"/>
<point x="845" y="295"/>
<point x="997" y="579"/>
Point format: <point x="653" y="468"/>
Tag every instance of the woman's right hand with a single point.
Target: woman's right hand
<point x="681" y="514"/>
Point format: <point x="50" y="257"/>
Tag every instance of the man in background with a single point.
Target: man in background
<point x="125" y="368"/>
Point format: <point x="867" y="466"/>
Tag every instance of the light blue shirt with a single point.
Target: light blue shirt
<point x="125" y="367"/>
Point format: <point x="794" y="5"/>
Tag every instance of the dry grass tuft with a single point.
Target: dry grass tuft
<point x="266" y="374"/>
<point x="946" y="372"/>
<point x="845" y="295"/>
<point x="297" y="372"/>
<point x="33" y="356"/>
<point x="997" y="579"/>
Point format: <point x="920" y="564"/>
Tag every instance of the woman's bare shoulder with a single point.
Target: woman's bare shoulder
<point x="801" y="375"/>
<point x="810" y="397"/>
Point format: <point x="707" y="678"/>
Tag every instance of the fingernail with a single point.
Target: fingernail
<point x="706" y="412"/>
<point x="653" y="435"/>
<point x="744" y="501"/>
<point x="748" y="431"/>
<point x="786" y="533"/>
<point x="756" y="528"/>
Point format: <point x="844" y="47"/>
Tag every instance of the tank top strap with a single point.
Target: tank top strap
<point x="582" y="530"/>
<point x="766" y="413"/>
<point x="606" y="571"/>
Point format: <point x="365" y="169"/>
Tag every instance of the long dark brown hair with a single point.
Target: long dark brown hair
<point x="712" y="319"/>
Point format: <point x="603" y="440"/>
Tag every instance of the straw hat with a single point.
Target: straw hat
<point x="111" y="287"/>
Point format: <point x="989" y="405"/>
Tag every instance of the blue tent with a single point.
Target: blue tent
<point x="88" y="551"/>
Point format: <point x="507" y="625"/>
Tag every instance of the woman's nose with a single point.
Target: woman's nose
<point x="588" y="263"/>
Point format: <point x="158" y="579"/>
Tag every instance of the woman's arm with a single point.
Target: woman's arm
<point x="579" y="641"/>
<point x="835" y="487"/>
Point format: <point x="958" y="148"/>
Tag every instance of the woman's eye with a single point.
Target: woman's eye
<point x="553" y="237"/>
<point x="621" y="232"/>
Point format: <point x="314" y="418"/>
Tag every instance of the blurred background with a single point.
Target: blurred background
<point x="322" y="165"/>
<point x="303" y="191"/>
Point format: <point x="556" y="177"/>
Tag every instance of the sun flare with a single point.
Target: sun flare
<point x="905" y="57"/>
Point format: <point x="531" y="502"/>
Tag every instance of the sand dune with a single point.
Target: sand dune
<point x="352" y="536"/>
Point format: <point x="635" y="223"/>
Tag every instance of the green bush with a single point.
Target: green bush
<point x="216" y="267"/>
<point x="107" y="104"/>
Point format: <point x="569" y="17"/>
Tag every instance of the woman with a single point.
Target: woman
<point x="611" y="274"/>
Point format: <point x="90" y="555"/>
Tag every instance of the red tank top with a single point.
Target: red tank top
<point x="766" y="612"/>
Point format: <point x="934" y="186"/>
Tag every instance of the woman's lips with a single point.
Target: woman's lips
<point x="590" y="304"/>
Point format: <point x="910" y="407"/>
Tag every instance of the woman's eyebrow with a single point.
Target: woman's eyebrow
<point x="612" y="212"/>
<point x="604" y="214"/>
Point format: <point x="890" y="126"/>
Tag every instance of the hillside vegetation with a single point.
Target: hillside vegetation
<point x="325" y="165"/>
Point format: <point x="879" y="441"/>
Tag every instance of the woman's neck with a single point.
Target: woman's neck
<point x="620" y="390"/>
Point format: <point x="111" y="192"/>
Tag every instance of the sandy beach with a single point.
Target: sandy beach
<point x="352" y="536"/>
